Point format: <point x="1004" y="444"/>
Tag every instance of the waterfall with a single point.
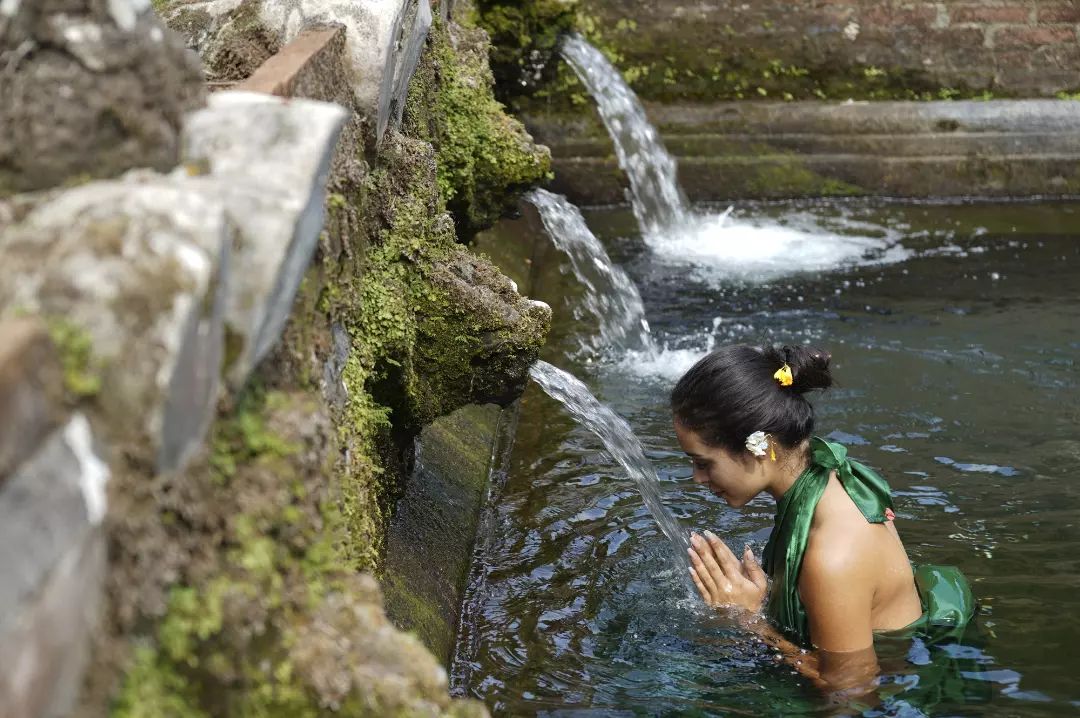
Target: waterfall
<point x="610" y="295"/>
<point x="658" y="201"/>
<point x="620" y="442"/>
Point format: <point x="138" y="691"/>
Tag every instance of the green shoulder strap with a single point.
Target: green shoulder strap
<point x="791" y="530"/>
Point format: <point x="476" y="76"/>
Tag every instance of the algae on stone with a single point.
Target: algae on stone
<point x="485" y="157"/>
<point x="243" y="584"/>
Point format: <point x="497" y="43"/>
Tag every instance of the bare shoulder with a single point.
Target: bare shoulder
<point x="838" y="552"/>
<point x="843" y="548"/>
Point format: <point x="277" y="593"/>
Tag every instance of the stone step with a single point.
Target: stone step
<point x="763" y="146"/>
<point x="803" y="149"/>
<point x="596" y="181"/>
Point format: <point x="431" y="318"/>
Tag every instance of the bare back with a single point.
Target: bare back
<point x="869" y="557"/>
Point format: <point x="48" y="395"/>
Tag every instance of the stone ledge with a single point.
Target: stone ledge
<point x="283" y="73"/>
<point x="773" y="150"/>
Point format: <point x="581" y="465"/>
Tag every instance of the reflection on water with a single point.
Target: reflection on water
<point x="958" y="381"/>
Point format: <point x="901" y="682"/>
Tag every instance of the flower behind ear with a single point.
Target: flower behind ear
<point x="757" y="443"/>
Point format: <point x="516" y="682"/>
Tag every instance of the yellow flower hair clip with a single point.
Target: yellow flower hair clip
<point x="783" y="375"/>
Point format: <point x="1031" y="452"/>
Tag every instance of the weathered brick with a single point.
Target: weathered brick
<point x="921" y="15"/>
<point x="957" y="37"/>
<point x="1059" y="12"/>
<point x="983" y="14"/>
<point x="1032" y="36"/>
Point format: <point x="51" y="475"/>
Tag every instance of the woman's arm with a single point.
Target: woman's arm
<point x="835" y="595"/>
<point x="837" y="590"/>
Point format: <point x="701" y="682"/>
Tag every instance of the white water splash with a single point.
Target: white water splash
<point x="658" y="201"/>
<point x="610" y="295"/>
<point x="763" y="249"/>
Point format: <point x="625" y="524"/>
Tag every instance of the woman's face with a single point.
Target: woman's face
<point x="736" y="479"/>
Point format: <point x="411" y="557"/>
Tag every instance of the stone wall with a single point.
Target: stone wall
<point x="864" y="49"/>
<point x="218" y="371"/>
<point x="712" y="50"/>
<point x="778" y="150"/>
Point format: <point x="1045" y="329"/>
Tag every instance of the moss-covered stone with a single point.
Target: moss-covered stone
<point x="485" y="158"/>
<point x="272" y="620"/>
<point x="245" y="580"/>
<point x="82" y="371"/>
<point x="695" y="65"/>
<point x="525" y="37"/>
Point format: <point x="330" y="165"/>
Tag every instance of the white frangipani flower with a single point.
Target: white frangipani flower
<point x="757" y="443"/>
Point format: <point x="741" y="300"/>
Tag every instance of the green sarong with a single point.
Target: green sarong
<point x="946" y="597"/>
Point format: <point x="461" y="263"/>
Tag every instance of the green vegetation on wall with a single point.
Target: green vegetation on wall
<point x="524" y="39"/>
<point x="484" y="157"/>
<point x="701" y="67"/>
<point x="272" y="611"/>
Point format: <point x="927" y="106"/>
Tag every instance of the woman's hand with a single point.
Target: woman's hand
<point x="724" y="580"/>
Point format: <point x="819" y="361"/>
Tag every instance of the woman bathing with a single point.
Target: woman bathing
<point x="840" y="575"/>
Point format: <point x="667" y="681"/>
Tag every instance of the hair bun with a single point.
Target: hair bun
<point x="809" y="367"/>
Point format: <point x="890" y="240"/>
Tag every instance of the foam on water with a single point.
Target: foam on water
<point x="724" y="249"/>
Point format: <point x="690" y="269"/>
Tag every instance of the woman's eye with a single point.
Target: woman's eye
<point x="702" y="465"/>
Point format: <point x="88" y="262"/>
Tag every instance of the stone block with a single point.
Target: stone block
<point x="383" y="41"/>
<point x="90" y="89"/>
<point x="984" y="14"/>
<point x="31" y="386"/>
<point x="1033" y="36"/>
<point x="269" y="160"/>
<point x="52" y="558"/>
<point x="141" y="267"/>
<point x="288" y="70"/>
<point x="430" y="541"/>
<point x="1067" y="12"/>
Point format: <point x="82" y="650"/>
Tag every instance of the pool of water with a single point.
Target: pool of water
<point x="955" y="345"/>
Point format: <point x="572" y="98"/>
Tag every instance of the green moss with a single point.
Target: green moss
<point x="225" y="628"/>
<point x="288" y="513"/>
<point x="787" y="176"/>
<point x="524" y="37"/>
<point x="82" y="372"/>
<point x="153" y="690"/>
<point x="193" y="616"/>
<point x="425" y="618"/>
<point x="484" y="156"/>
<point x="692" y="67"/>
<point x="244" y="436"/>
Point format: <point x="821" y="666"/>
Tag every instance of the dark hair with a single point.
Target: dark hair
<point x="731" y="393"/>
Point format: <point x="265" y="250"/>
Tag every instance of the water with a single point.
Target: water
<point x="619" y="440"/>
<point x="610" y="296"/>
<point x="658" y="201"/>
<point x="957" y="371"/>
<point x="713" y="244"/>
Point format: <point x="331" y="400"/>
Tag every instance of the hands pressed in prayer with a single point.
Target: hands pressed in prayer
<point x="721" y="578"/>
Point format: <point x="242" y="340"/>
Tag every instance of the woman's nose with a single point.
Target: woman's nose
<point x="699" y="477"/>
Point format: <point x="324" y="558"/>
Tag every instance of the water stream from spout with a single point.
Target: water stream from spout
<point x="658" y="200"/>
<point x="610" y="295"/>
<point x="619" y="440"/>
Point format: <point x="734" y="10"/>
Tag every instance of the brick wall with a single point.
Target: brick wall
<point x="713" y="49"/>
